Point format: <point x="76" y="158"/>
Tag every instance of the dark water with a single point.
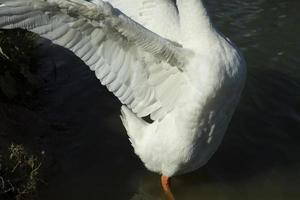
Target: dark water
<point x="259" y="159"/>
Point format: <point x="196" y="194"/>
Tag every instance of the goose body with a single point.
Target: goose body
<point x="160" y="59"/>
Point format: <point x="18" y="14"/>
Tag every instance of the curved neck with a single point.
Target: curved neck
<point x="195" y="23"/>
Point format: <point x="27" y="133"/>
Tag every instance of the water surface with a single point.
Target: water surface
<point x="258" y="159"/>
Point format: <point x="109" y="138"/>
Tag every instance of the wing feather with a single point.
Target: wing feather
<point x="159" y="16"/>
<point x="137" y="65"/>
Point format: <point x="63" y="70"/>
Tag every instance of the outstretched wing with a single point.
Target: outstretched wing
<point x="159" y="16"/>
<point x="141" y="68"/>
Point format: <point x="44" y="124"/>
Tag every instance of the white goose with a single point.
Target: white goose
<point x="160" y="58"/>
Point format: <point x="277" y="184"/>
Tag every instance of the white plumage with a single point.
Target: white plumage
<point x="159" y="58"/>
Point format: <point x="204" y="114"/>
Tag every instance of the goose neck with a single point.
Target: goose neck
<point x="195" y="22"/>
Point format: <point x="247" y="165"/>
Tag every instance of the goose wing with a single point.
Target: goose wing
<point x="159" y="16"/>
<point x="141" y="68"/>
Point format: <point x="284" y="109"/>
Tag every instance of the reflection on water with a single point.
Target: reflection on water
<point x="259" y="158"/>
